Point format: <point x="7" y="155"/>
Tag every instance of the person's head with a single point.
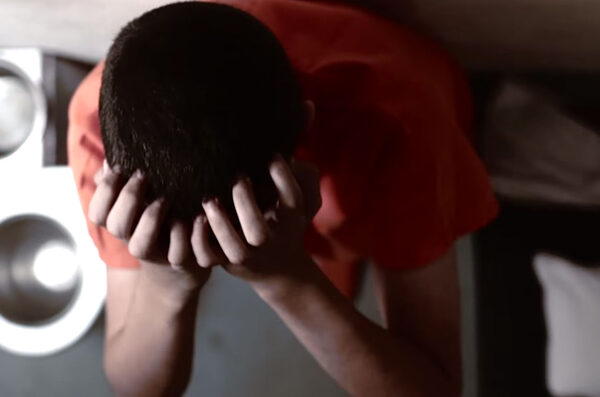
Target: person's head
<point x="196" y="94"/>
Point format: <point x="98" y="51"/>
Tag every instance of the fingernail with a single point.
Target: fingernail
<point x="139" y="174"/>
<point x="116" y="169"/>
<point x="211" y="203"/>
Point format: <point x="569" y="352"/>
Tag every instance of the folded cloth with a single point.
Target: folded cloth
<point x="536" y="151"/>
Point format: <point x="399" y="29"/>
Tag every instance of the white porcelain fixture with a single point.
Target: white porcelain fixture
<point x="50" y="263"/>
<point x="52" y="281"/>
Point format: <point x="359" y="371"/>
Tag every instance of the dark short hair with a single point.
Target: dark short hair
<point x="195" y="95"/>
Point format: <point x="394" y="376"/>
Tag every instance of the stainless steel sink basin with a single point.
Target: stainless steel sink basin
<point x="23" y="107"/>
<point x="39" y="272"/>
<point x="52" y="281"/>
<point x="17" y="111"/>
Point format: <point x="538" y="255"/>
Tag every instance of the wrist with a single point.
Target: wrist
<point x="286" y="287"/>
<point x="171" y="288"/>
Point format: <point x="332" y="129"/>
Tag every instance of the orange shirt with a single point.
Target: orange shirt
<point x="400" y="178"/>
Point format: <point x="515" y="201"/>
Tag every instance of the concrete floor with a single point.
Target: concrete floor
<point x="242" y="350"/>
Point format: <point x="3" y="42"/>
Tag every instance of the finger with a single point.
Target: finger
<point x="123" y="214"/>
<point x="253" y="223"/>
<point x="104" y="197"/>
<point x="179" y="245"/>
<point x="105" y="169"/>
<point x="206" y="255"/>
<point x="146" y="233"/>
<point x="308" y="178"/>
<point x="98" y="176"/>
<point x="290" y="194"/>
<point x="228" y="238"/>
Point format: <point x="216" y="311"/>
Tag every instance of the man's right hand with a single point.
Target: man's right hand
<point x="117" y="205"/>
<point x="150" y="311"/>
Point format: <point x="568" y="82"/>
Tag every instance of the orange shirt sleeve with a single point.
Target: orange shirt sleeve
<point x="404" y="192"/>
<point x="428" y="186"/>
<point x="426" y="192"/>
<point x="86" y="155"/>
<point x="407" y="185"/>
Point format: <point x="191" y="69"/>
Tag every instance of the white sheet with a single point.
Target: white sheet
<point x="572" y="310"/>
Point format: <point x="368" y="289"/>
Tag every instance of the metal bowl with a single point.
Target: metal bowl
<point x="17" y="111"/>
<point x="39" y="272"/>
<point x="23" y="108"/>
<point x="52" y="284"/>
<point x="52" y="281"/>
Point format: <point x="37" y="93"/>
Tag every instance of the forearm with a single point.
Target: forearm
<point x="151" y="354"/>
<point x="362" y="357"/>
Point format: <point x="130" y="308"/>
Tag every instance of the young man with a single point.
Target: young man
<point x="201" y="108"/>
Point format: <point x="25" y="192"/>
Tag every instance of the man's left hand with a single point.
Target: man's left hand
<point x="270" y="248"/>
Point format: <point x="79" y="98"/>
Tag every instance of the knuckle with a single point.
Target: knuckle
<point x="177" y="267"/>
<point x="239" y="257"/>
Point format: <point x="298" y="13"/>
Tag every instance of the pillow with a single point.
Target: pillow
<point x="572" y="311"/>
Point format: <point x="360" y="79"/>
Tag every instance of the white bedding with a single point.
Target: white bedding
<point x="572" y="311"/>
